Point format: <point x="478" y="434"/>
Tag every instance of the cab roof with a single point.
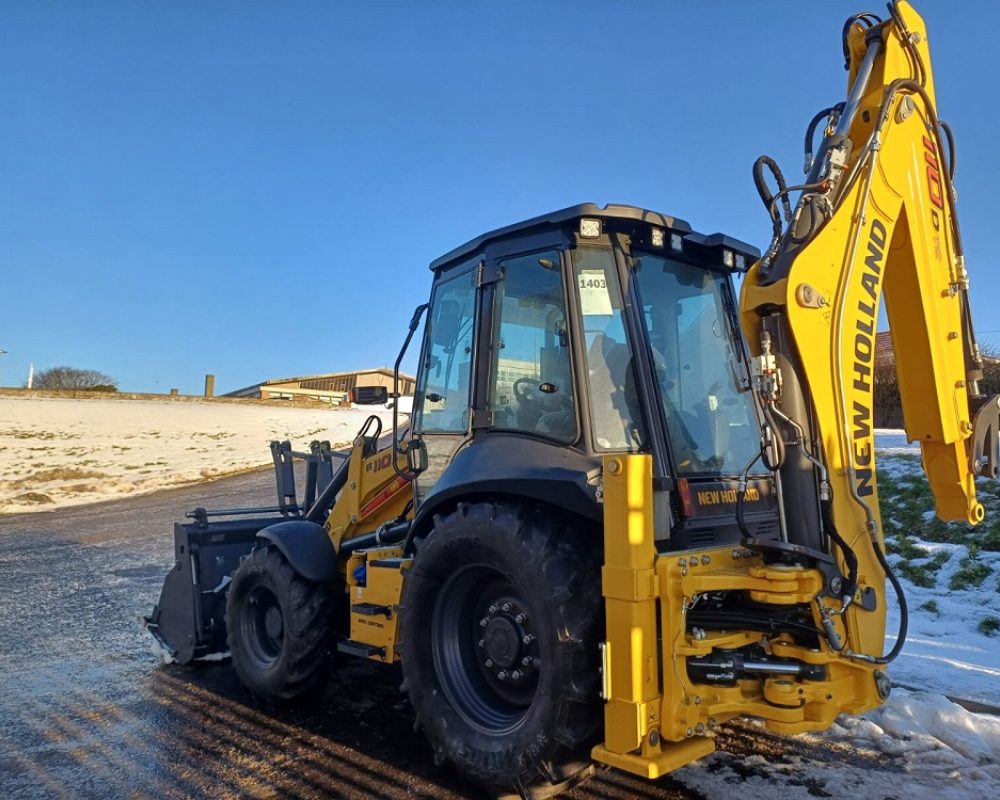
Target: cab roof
<point x="612" y="213"/>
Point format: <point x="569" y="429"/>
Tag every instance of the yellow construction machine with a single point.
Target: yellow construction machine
<point x="630" y="506"/>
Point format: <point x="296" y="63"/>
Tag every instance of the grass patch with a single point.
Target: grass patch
<point x="971" y="572"/>
<point x="58" y="474"/>
<point x="988" y="625"/>
<point x="917" y="574"/>
<point x="902" y="545"/>
<point x="930" y="606"/>
<point x="78" y="488"/>
<point x="33" y="498"/>
<point x="907" y="504"/>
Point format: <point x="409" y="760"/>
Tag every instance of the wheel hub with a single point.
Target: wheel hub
<point x="507" y="650"/>
<point x="502" y="642"/>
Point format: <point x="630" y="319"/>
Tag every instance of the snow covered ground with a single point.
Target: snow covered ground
<point x="951" y="577"/>
<point x="918" y="746"/>
<point x="892" y="442"/>
<point x="57" y="452"/>
<point x="61" y="452"/>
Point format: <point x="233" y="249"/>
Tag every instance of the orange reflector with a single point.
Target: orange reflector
<point x="685" y="492"/>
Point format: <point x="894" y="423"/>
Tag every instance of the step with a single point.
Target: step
<point x="371" y="610"/>
<point x="361" y="649"/>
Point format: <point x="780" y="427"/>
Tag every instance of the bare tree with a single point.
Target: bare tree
<point x="73" y="378"/>
<point x="888" y="405"/>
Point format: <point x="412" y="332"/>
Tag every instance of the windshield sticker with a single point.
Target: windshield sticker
<point x="595" y="300"/>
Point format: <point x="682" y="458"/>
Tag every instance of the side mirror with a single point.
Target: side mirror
<point x="416" y="456"/>
<point x="370" y="395"/>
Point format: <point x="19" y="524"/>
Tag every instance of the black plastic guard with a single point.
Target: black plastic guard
<point x="189" y="620"/>
<point x="307" y="547"/>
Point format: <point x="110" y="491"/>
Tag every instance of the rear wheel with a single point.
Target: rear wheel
<point x="279" y="626"/>
<point x="499" y="641"/>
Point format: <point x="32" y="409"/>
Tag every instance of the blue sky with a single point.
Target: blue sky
<point x="256" y="189"/>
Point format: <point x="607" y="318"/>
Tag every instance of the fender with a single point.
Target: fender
<point x="552" y="474"/>
<point x="307" y="547"/>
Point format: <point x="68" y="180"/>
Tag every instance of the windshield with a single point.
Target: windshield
<point x="711" y="424"/>
<point x="614" y="401"/>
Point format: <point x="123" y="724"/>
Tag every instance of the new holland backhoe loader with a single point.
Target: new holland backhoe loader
<point x="629" y="506"/>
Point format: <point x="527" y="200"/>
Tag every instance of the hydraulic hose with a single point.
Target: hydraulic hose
<point x="949" y="137"/>
<point x="867" y="18"/>
<point x="768" y="200"/>
<point x="741" y="495"/>
<point x="811" y="131"/>
<point x="850" y="557"/>
<point x="904" y="615"/>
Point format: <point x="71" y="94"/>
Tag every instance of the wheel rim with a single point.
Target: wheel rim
<point x="263" y="627"/>
<point x="485" y="649"/>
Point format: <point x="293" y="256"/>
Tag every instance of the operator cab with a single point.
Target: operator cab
<point x="590" y="331"/>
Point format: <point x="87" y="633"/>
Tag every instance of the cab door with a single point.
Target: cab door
<point x="441" y="417"/>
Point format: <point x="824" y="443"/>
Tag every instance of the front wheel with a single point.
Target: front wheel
<point x="279" y="626"/>
<point x="499" y="638"/>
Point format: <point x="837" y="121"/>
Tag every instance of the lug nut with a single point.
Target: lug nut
<point x="482" y="643"/>
<point x="488" y="662"/>
<point x="506" y="606"/>
<point x="526" y="661"/>
<point x="493" y="609"/>
<point x="527" y="639"/>
<point x="706" y="559"/>
<point x="519" y="618"/>
<point x="483" y="622"/>
<point x="515" y="674"/>
<point x="502" y="675"/>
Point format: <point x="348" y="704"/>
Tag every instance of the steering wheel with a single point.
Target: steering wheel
<point x="526" y="391"/>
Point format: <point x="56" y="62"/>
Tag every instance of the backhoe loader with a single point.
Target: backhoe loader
<point x="630" y="504"/>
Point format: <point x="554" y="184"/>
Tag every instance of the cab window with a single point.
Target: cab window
<point x="442" y="403"/>
<point x="532" y="385"/>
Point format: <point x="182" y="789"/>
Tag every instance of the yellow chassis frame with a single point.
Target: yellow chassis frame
<point x="656" y="719"/>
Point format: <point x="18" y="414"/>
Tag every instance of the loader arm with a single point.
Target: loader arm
<point x="876" y="216"/>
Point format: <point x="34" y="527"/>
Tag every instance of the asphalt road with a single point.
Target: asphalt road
<point x="86" y="711"/>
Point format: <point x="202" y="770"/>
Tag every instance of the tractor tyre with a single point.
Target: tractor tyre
<point x="279" y="626"/>
<point x="500" y="624"/>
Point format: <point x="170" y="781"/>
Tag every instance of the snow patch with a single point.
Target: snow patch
<point x="58" y="452"/>
<point x="917" y="746"/>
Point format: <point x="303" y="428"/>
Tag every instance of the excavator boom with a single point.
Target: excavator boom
<point x="876" y="217"/>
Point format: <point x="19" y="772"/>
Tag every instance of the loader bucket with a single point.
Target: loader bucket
<point x="189" y="620"/>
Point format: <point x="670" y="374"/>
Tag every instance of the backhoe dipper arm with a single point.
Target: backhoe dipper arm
<point x="876" y="214"/>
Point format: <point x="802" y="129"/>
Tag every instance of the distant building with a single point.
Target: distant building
<point x="884" y="356"/>
<point x="333" y="387"/>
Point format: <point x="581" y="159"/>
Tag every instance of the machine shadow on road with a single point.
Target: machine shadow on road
<point x="354" y="740"/>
